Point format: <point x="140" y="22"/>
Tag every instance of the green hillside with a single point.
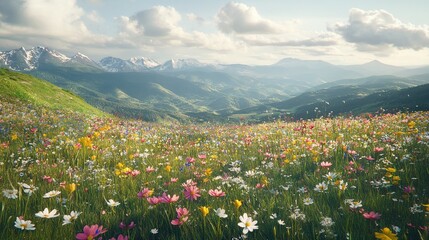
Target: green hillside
<point x="17" y="86"/>
<point x="409" y="99"/>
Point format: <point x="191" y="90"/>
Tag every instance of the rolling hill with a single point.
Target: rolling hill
<point x="350" y="95"/>
<point x="16" y="86"/>
<point x="408" y="99"/>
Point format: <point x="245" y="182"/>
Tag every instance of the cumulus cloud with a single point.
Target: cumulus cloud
<point x="158" y="21"/>
<point x="160" y="26"/>
<point x="242" y="19"/>
<point x="44" y="21"/>
<point x="380" y="29"/>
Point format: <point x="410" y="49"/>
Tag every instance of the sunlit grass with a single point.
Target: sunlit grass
<point x="372" y="164"/>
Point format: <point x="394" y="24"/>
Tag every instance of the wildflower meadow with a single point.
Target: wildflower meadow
<point x="65" y="175"/>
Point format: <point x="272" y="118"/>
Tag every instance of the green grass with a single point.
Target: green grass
<point x="24" y="87"/>
<point x="270" y="167"/>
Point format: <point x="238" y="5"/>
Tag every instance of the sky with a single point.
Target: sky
<point x="215" y="31"/>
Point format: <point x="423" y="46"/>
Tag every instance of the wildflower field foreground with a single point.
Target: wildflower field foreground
<point x="69" y="176"/>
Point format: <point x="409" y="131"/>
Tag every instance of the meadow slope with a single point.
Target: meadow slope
<point x="343" y="178"/>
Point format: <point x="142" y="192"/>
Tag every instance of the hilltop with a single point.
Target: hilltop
<point x="16" y="86"/>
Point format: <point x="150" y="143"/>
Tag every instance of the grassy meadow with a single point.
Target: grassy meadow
<point x="66" y="175"/>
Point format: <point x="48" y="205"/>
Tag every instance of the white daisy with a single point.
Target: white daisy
<point x="247" y="223"/>
<point x="112" y="203"/>
<point x="24" y="224"/>
<point x="70" y="218"/>
<point x="10" y="193"/>
<point x="51" y="194"/>
<point x="47" y="214"/>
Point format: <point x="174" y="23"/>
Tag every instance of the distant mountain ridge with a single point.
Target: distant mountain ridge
<point x="184" y="89"/>
<point x="41" y="57"/>
<point x="135" y="64"/>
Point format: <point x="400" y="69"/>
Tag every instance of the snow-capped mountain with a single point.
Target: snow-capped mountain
<point x="136" y="64"/>
<point x="81" y="59"/>
<point x="144" y="62"/>
<point x="181" y="64"/>
<point x="42" y="58"/>
<point x="26" y="60"/>
<point x="38" y="58"/>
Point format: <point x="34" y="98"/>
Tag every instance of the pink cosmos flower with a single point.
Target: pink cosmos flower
<point x="90" y="233"/>
<point x="182" y="216"/>
<point x="192" y="192"/>
<point x="409" y="189"/>
<point x="150" y="169"/>
<point x="48" y="179"/>
<point x="325" y="164"/>
<point x="372" y="215"/>
<point x="190" y="160"/>
<point x="369" y="158"/>
<point x="167" y="199"/>
<point x="120" y="237"/>
<point x="216" y="193"/>
<point x="145" y="193"/>
<point x="124" y="226"/>
<point x="188" y="183"/>
<point x="202" y="156"/>
<point x="153" y="200"/>
<point x="378" y="149"/>
<point x="135" y="173"/>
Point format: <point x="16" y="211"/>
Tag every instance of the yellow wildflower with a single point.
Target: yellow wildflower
<point x="237" y="203"/>
<point x="14" y="137"/>
<point x="71" y="187"/>
<point x="208" y="172"/>
<point x="204" y="210"/>
<point x="386" y="234"/>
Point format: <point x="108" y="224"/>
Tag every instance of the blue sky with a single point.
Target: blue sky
<point x="249" y="32"/>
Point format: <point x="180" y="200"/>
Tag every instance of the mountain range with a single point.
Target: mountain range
<point x="187" y="89"/>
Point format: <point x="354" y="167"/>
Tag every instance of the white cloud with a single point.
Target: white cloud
<point x="158" y="21"/>
<point x="44" y="22"/>
<point x="242" y="19"/>
<point x="378" y="30"/>
<point x="160" y="27"/>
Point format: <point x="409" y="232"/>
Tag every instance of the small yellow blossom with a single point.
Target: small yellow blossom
<point x="204" y="210"/>
<point x="386" y="234"/>
<point x="14" y="137"/>
<point x="208" y="172"/>
<point x="237" y="203"/>
<point x="71" y="187"/>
